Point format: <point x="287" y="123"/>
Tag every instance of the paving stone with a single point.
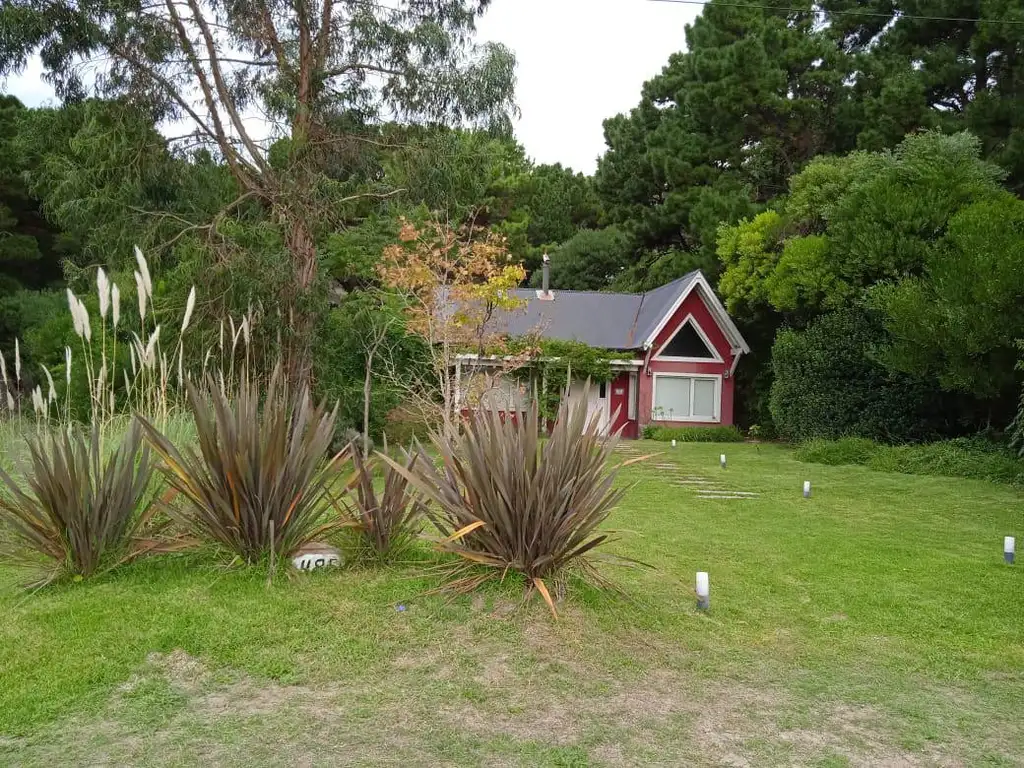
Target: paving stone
<point x="738" y="494"/>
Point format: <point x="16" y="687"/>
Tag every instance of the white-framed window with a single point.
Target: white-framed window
<point x="686" y="397"/>
<point x="689" y="344"/>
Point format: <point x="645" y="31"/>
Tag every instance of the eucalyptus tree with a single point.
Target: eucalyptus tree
<point x="284" y="92"/>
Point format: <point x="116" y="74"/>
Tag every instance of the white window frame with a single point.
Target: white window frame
<point x="717" y="358"/>
<point x="716" y="377"/>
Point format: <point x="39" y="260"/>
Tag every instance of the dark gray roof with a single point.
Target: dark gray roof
<point x="609" y="320"/>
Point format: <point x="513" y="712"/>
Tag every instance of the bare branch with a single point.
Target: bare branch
<point x="222" y="89"/>
<point x="364" y="67"/>
<point x="219" y="134"/>
<point x="323" y="42"/>
<point x="275" y="42"/>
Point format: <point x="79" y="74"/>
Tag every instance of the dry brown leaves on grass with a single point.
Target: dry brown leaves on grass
<point x="544" y="689"/>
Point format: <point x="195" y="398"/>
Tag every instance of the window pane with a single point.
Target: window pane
<point x="704" y="398"/>
<point x="671" y="398"/>
<point x="687" y="343"/>
<point x="631" y="397"/>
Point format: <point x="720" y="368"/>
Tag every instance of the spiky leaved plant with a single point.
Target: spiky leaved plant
<point x="384" y="522"/>
<point x="81" y="511"/>
<point x="257" y="484"/>
<point x="506" y="498"/>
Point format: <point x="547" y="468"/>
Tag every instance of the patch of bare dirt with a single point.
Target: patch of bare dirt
<point x="857" y="733"/>
<point x="182" y="670"/>
<point x="725" y="724"/>
<point x="544" y="687"/>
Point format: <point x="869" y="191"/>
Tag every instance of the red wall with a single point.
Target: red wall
<point x="693" y="305"/>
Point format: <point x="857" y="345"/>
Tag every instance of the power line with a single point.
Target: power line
<point x="875" y="14"/>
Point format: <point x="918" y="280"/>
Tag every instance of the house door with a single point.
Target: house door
<point x="597" y="401"/>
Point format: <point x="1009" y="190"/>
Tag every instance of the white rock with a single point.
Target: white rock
<point x="316" y="555"/>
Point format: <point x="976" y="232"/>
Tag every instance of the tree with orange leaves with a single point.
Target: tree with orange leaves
<point x="458" y="289"/>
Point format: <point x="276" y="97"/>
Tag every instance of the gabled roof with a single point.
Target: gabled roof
<point x="613" y="320"/>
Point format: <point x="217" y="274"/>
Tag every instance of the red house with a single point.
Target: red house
<point x="679" y="350"/>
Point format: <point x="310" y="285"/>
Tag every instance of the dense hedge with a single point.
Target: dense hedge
<point x="976" y="458"/>
<point x="693" y="434"/>
<point x="827" y="386"/>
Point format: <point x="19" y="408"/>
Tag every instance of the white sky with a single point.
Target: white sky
<point x="580" y="61"/>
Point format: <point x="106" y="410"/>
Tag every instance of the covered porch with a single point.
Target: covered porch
<point x="508" y="388"/>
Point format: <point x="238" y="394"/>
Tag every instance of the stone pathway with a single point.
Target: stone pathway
<point x="703" y="486"/>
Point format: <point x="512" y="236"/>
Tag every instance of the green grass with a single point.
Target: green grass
<point x="872" y="622"/>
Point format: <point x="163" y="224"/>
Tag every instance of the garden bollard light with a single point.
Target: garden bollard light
<point x="703" y="591"/>
<point x="673" y="443"/>
<point x="721" y="459"/>
<point x="1009" y="544"/>
<point x="807" y="489"/>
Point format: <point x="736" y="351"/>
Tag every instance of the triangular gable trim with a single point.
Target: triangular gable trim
<point x="692" y="321"/>
<point x="725" y="323"/>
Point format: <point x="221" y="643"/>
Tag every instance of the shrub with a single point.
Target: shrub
<point x="827" y="386"/>
<point x="403" y="428"/>
<point x="511" y="501"/>
<point x="975" y="458"/>
<point x="848" y="450"/>
<point x="693" y="434"/>
<point x="1017" y="427"/>
<point x="80" y="511"/>
<point x="963" y="457"/>
<point x="258" y="483"/>
<point x="385" y="523"/>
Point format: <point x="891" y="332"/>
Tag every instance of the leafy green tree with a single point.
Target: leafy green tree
<point x="849" y="225"/>
<point x="359" y="321"/>
<point x="26" y="237"/>
<point x="750" y="252"/>
<point x="31" y="247"/>
<point x="826" y="385"/>
<point x="325" y="70"/>
<point x="588" y="261"/>
<point x="107" y="178"/>
<point x="478" y="179"/>
<point x="760" y="91"/>
<point x="852" y="222"/>
<point x="560" y="203"/>
<point x="959" y="321"/>
<point x="462" y="175"/>
<point x="719" y="132"/>
<point x="930" y="72"/>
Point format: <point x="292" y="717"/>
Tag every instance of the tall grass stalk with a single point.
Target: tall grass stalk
<point x="137" y="377"/>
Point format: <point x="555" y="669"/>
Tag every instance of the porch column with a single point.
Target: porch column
<point x="458" y="384"/>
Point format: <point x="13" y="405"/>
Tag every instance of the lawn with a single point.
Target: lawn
<point x="872" y="624"/>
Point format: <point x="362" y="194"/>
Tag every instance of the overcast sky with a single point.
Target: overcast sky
<point x="580" y="61"/>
